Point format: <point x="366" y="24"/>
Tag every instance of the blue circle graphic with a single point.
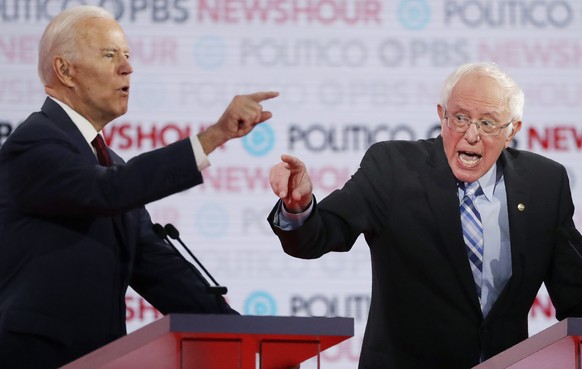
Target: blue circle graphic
<point x="150" y="96"/>
<point x="212" y="221"/>
<point x="260" y="141"/>
<point x="210" y="52"/>
<point x="260" y="303"/>
<point x="414" y="14"/>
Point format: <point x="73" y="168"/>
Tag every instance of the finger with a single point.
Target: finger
<point x="279" y="187"/>
<point x="252" y="114"/>
<point x="292" y="161"/>
<point x="263" y="116"/>
<point x="302" y="191"/>
<point x="279" y="179"/>
<point x="265" y="95"/>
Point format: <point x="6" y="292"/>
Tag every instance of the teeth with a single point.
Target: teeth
<point x="469" y="159"/>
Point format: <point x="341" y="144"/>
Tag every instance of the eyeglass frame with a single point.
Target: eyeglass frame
<point x="477" y="123"/>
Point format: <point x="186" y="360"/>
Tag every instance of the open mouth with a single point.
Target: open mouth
<point x="469" y="158"/>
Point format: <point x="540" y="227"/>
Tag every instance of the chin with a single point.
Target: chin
<point x="466" y="175"/>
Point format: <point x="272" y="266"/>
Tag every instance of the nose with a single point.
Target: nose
<point x="472" y="133"/>
<point x="125" y="68"/>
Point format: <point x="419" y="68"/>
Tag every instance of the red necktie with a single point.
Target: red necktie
<point x="102" y="154"/>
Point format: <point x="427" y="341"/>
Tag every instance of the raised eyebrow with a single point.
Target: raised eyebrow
<point x="115" y="50"/>
<point x="489" y="116"/>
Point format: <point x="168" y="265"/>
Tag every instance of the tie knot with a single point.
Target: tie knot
<point x="101" y="149"/>
<point x="471" y="189"/>
<point x="98" y="142"/>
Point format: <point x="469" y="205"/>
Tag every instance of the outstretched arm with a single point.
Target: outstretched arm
<point x="291" y="183"/>
<point x="240" y="117"/>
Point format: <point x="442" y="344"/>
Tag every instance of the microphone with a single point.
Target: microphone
<point x="174" y="234"/>
<point x="572" y="236"/>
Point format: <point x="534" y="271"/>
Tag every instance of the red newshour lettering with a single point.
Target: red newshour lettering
<point x="290" y="11"/>
<point x="557" y="138"/>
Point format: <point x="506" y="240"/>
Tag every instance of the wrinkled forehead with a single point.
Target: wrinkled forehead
<point x="101" y="32"/>
<point x="478" y="89"/>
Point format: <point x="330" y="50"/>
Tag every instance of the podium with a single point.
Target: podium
<point x="555" y="347"/>
<point x="187" y="341"/>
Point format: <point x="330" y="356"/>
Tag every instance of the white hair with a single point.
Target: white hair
<point x="514" y="96"/>
<point x="59" y="38"/>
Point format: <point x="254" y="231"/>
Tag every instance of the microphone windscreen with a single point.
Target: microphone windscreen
<point x="159" y="230"/>
<point x="172" y="231"/>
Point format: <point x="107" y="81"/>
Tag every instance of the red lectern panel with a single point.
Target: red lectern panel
<point x="557" y="347"/>
<point x="184" y="341"/>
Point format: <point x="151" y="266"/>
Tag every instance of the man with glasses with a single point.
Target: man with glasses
<point x="462" y="230"/>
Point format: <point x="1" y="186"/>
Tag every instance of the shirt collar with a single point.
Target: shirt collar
<point x="83" y="125"/>
<point x="488" y="182"/>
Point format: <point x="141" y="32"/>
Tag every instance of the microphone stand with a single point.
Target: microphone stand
<point x="169" y="231"/>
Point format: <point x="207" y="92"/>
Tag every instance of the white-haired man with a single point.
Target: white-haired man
<point x="74" y="233"/>
<point x="462" y="230"/>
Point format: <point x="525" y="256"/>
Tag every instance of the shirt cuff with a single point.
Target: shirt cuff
<point x="202" y="161"/>
<point x="290" y="221"/>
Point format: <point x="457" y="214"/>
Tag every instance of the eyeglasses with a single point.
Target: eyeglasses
<point x="461" y="123"/>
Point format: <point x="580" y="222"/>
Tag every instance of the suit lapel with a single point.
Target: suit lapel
<point x="518" y="199"/>
<point x="60" y="118"/>
<point x="441" y="189"/>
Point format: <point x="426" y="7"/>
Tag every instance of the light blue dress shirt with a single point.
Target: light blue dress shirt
<point x="492" y="206"/>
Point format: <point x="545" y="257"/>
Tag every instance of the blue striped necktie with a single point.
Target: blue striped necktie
<point x="473" y="231"/>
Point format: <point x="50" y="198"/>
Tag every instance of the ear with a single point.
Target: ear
<point x="62" y="69"/>
<point x="514" y="128"/>
<point x="441" y="113"/>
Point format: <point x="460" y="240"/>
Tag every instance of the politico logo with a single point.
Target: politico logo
<point x="260" y="303"/>
<point x="210" y="52"/>
<point x="212" y="220"/>
<point x="500" y="14"/>
<point x="353" y="305"/>
<point x="260" y="141"/>
<point x="304" y="52"/>
<point x="345" y="138"/>
<point x="149" y="96"/>
<point x="414" y="14"/>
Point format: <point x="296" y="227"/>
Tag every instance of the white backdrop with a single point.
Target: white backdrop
<point x="350" y="72"/>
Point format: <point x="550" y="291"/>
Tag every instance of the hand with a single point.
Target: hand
<point x="240" y="117"/>
<point x="291" y="183"/>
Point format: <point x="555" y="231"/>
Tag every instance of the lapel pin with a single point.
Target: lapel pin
<point x="520" y="207"/>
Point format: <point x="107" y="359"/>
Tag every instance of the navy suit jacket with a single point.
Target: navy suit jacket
<point x="74" y="235"/>
<point x="424" y="309"/>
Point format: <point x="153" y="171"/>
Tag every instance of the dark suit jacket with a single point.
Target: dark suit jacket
<point x="74" y="235"/>
<point x="424" y="309"/>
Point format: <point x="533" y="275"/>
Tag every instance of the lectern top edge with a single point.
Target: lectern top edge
<point x="286" y="325"/>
